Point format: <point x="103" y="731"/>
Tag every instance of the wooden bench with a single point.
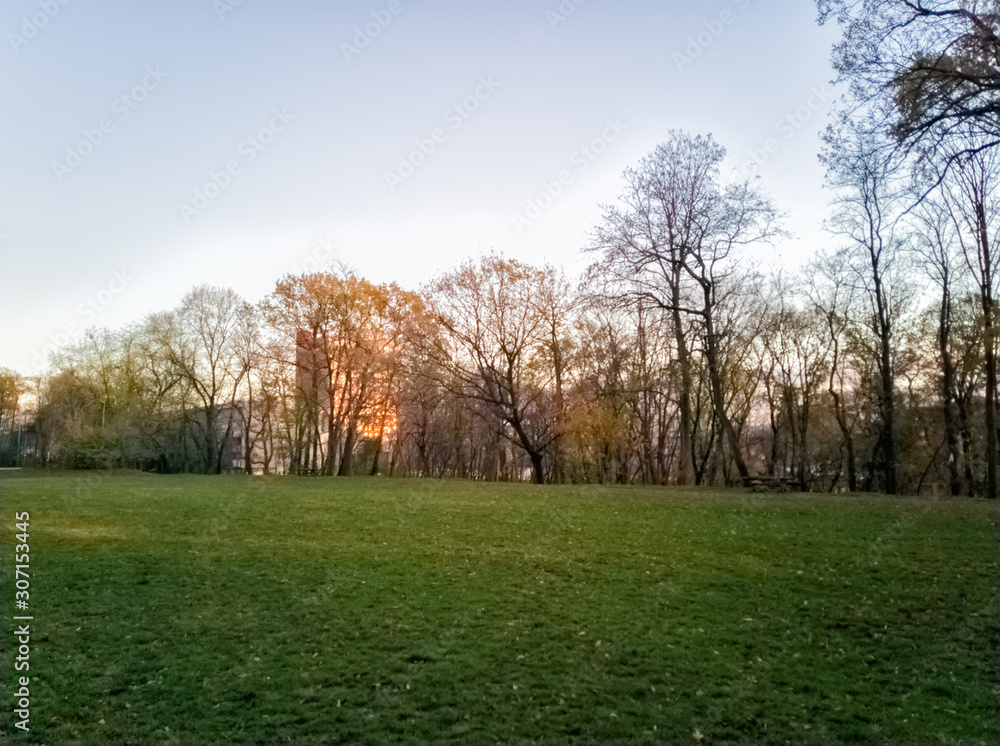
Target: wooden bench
<point x="773" y="484"/>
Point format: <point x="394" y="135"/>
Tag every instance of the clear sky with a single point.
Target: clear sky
<point x="147" y="147"/>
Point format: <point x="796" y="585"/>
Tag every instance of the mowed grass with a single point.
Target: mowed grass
<point x="196" y="610"/>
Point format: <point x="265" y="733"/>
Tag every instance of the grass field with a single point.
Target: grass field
<point x="196" y="610"/>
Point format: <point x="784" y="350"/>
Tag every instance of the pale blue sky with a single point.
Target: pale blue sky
<point x="530" y="96"/>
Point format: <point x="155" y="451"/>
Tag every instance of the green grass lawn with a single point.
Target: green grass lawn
<point x="196" y="610"/>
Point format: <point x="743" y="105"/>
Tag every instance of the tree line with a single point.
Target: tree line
<point x="675" y="359"/>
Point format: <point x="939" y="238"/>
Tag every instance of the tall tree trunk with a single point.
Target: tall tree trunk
<point x="803" y="466"/>
<point x="378" y="454"/>
<point x="347" y="457"/>
<point x="887" y="395"/>
<point x="965" y="429"/>
<point x="715" y="380"/>
<point x="685" y="464"/>
<point x="247" y="441"/>
<point x="790" y="397"/>
<point x="314" y="459"/>
<point x="537" y="470"/>
<point x="184" y="445"/>
<point x="989" y="340"/>
<point x="378" y="446"/>
<point x="535" y="456"/>
<point x="208" y="450"/>
<point x="558" y="467"/>
<point x="298" y="451"/>
<point x="773" y="422"/>
<point x="845" y="429"/>
<point x="955" y="456"/>
<point x="991" y="394"/>
<point x="351" y="434"/>
<point x="221" y="447"/>
<point x="331" y="441"/>
<point x="888" y="422"/>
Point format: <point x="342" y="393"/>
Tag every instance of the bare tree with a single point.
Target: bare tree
<point x="794" y="366"/>
<point x="929" y="66"/>
<point x="499" y="347"/>
<point x="970" y="193"/>
<point x="200" y="340"/>
<point x="832" y="296"/>
<point x="866" y="174"/>
<point x="248" y="357"/>
<point x="934" y="242"/>
<point x="617" y="361"/>
<point x="672" y="241"/>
